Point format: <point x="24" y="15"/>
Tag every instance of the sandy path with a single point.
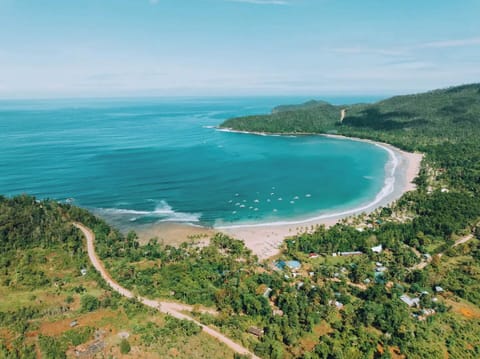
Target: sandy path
<point x="463" y="240"/>
<point x="173" y="309"/>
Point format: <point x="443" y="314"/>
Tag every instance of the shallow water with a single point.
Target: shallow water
<point x="140" y="161"/>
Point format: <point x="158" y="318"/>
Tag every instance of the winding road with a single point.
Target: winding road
<point x="428" y="260"/>
<point x="173" y="309"/>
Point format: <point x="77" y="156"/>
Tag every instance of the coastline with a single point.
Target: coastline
<point x="264" y="239"/>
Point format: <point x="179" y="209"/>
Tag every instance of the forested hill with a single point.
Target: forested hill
<point x="451" y="114"/>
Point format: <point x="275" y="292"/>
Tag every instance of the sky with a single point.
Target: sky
<point x="90" y="48"/>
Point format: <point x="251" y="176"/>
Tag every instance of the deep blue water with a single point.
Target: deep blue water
<point x="135" y="161"/>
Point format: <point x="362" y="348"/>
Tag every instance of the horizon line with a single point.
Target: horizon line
<point x="240" y="94"/>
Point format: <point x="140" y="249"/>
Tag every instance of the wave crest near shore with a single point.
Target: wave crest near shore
<point x="163" y="211"/>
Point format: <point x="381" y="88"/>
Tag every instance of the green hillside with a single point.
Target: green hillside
<point x="448" y="114"/>
<point x="313" y="116"/>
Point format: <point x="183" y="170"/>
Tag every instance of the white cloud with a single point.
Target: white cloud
<point x="263" y="2"/>
<point x="402" y="50"/>
<point x="452" y="43"/>
<point x="360" y="50"/>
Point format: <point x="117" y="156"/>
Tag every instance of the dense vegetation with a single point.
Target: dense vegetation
<point x="312" y="117"/>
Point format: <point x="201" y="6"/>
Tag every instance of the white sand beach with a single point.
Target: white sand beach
<point x="174" y="233"/>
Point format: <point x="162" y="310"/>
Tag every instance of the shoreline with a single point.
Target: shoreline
<point x="388" y="187"/>
<point x="264" y="239"/>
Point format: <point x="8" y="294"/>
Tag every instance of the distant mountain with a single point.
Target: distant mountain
<point x="312" y="104"/>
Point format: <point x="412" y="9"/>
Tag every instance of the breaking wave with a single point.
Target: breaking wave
<point x="163" y="211"/>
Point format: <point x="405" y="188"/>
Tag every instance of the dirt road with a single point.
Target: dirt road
<point x="173" y="309"/>
<point x="428" y="260"/>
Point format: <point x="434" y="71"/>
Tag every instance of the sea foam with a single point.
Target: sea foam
<point x="163" y="211"/>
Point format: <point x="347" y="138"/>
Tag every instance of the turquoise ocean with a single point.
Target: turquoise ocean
<point x="139" y="161"/>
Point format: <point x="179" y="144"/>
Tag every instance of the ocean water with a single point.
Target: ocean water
<point x="137" y="161"/>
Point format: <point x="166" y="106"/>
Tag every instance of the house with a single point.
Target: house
<point x="73" y="323"/>
<point x="380" y="269"/>
<point x="313" y="255"/>
<point x="267" y="292"/>
<point x="293" y="265"/>
<point x="377" y="249"/>
<point x="278" y="312"/>
<point x="83" y="271"/>
<point x="256" y="331"/>
<point x="439" y="289"/>
<point x="411" y="302"/>
<point x="336" y="303"/>
<point x="427" y="312"/>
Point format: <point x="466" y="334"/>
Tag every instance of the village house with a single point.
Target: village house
<point x="256" y="331"/>
<point x="336" y="303"/>
<point x="411" y="302"/>
<point x="267" y="292"/>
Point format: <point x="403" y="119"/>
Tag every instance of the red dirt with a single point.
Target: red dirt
<point x="61" y="326"/>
